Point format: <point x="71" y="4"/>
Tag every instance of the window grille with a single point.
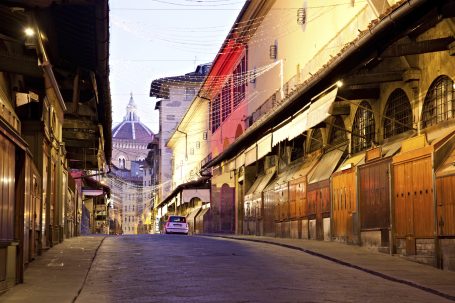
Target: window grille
<point x="226" y="106"/>
<point x="273" y="51"/>
<point x="363" y="130"/>
<point x="439" y="104"/>
<point x="316" y="140"/>
<point x="338" y="132"/>
<point x="216" y="113"/>
<point x="398" y="114"/>
<point x="301" y="16"/>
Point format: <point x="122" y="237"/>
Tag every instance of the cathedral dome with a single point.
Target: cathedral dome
<point x="132" y="128"/>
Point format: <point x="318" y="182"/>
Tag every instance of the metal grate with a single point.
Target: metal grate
<point x="338" y="132"/>
<point x="363" y="130"/>
<point x="439" y="104"/>
<point x="398" y="114"/>
<point x="316" y="140"/>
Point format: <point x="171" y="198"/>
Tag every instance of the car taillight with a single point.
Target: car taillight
<point x="167" y="224"/>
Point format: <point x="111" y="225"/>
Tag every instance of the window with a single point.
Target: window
<point x="198" y="144"/>
<point x="397" y="114"/>
<point x="226" y="104"/>
<point x="301" y="16"/>
<point x="439" y="104"/>
<point x="189" y="93"/>
<point x="192" y="151"/>
<point x="216" y="113"/>
<point x="240" y="82"/>
<point x="204" y="136"/>
<point x="338" y="132"/>
<point x="273" y="52"/>
<point x="177" y="219"/>
<point x="363" y="131"/>
<point x="316" y="140"/>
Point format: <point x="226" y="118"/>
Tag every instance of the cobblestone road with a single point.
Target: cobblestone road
<point x="173" y="268"/>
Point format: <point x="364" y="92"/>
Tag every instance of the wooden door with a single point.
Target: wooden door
<point x="446" y="205"/>
<point x="374" y="201"/>
<point x="269" y="212"/>
<point x="283" y="191"/>
<point x="293" y="199"/>
<point x="227" y="219"/>
<point x="413" y="194"/>
<point x="344" y="200"/>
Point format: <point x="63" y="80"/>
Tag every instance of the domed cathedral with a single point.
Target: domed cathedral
<point x="130" y="138"/>
<point x="129" y="150"/>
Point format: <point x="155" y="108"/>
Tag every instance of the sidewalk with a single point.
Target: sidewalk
<point x="389" y="267"/>
<point x="58" y="274"/>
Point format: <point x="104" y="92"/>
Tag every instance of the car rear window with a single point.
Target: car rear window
<point x="177" y="219"/>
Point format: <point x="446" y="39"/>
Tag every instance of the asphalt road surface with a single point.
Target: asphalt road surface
<point x="178" y="268"/>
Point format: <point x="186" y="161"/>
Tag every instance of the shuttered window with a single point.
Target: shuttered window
<point x="363" y="130"/>
<point x="439" y="104"/>
<point x="398" y="114"/>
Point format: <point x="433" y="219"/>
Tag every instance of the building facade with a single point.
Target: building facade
<point x="342" y="129"/>
<point x="54" y="118"/>
<point x="175" y="95"/>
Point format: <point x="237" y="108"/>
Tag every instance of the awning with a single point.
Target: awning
<point x="327" y="165"/>
<point x="281" y="134"/>
<point x="201" y="214"/>
<point x="305" y="169"/>
<point x="321" y="108"/>
<point x="298" y="125"/>
<point x="93" y="188"/>
<point x="390" y="149"/>
<point x="240" y="160"/>
<point x="448" y="166"/>
<point x="193" y="214"/>
<point x="250" y="155"/>
<point x="255" y="185"/>
<point x="264" y="146"/>
<point x="283" y="178"/>
<point x="354" y="161"/>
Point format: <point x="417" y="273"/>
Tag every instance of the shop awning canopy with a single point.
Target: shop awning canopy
<point x="94" y="188"/>
<point x="319" y="109"/>
<point x="327" y="165"/>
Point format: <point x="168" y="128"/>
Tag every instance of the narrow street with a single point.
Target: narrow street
<point x="174" y="268"/>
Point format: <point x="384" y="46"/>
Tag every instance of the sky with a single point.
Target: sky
<point x="151" y="39"/>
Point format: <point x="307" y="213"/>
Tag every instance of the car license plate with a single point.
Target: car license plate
<point x="177" y="224"/>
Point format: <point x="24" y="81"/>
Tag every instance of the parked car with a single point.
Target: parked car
<point x="176" y="225"/>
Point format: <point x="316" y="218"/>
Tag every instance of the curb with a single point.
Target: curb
<point x="88" y="271"/>
<point x="347" y="264"/>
